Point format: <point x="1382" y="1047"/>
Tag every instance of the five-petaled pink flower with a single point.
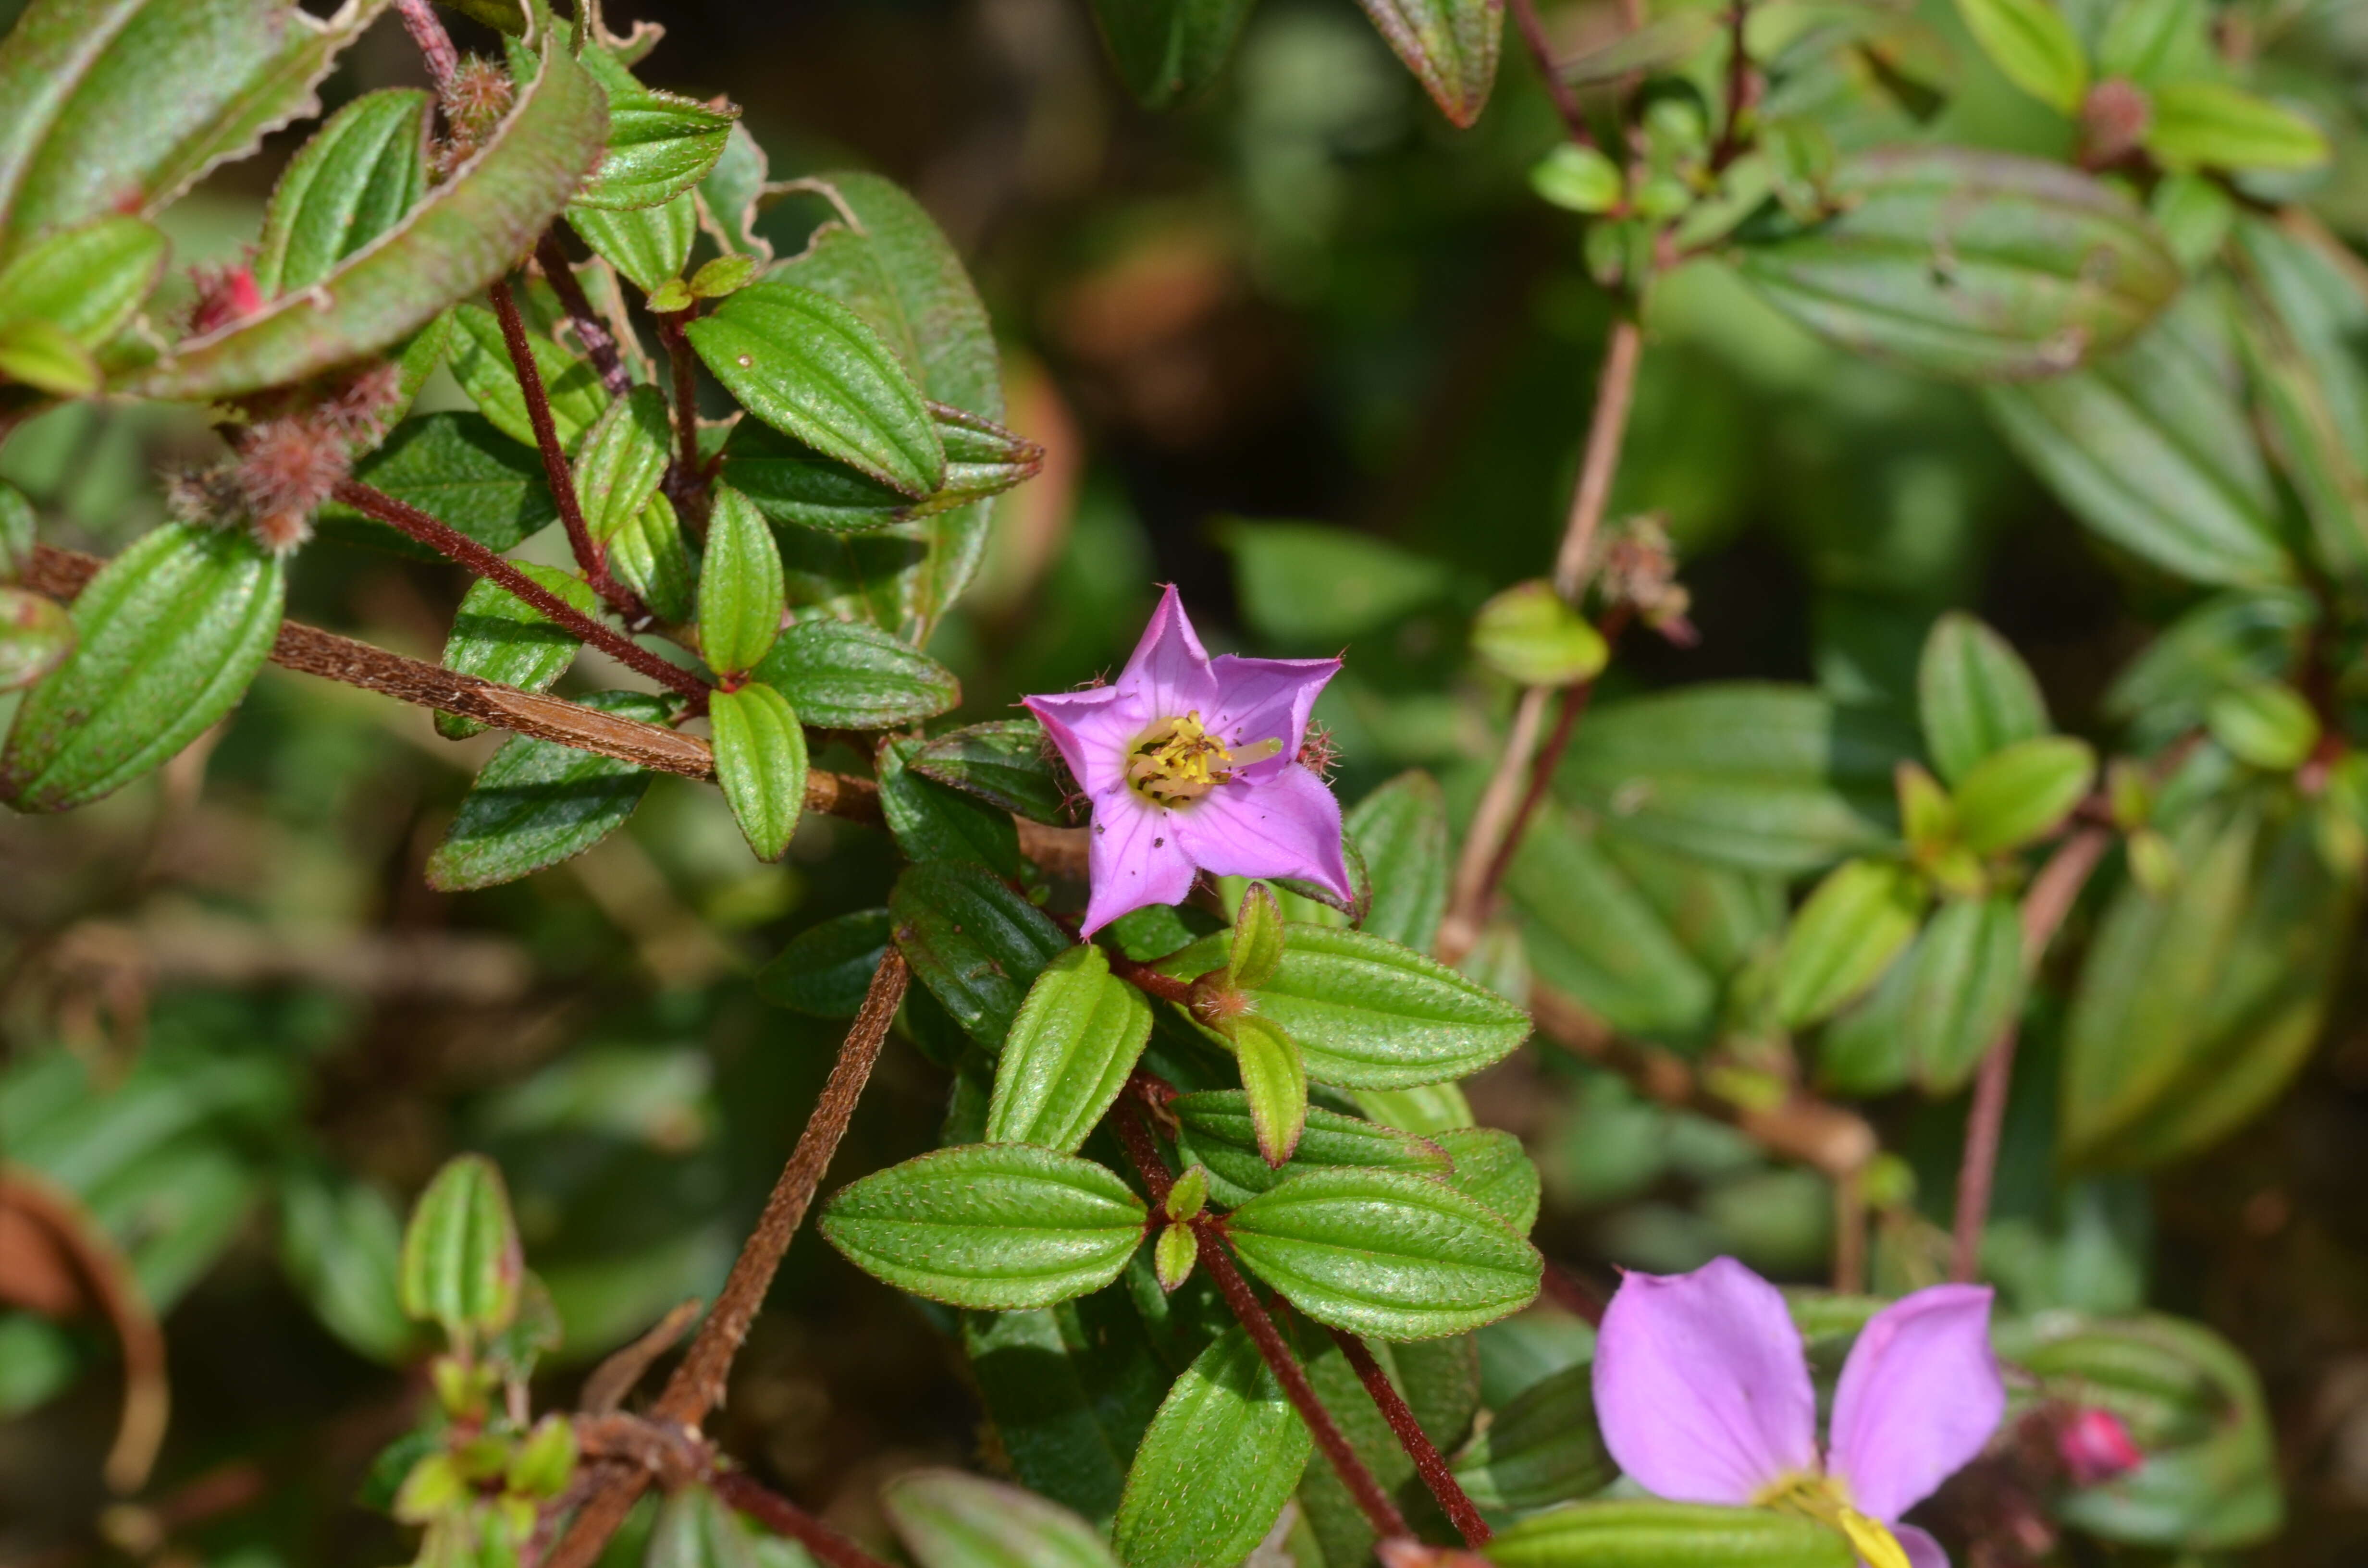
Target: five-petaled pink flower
<point x="1192" y="763"/>
<point x="1702" y="1391"/>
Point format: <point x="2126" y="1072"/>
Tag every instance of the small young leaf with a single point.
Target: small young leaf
<point x="1188" y="1195"/>
<point x="503" y="638"/>
<point x="85" y="281"/>
<point x="1529" y="635"/>
<point x="538" y="803"/>
<point x="352" y="182"/>
<point x="1490" y="1166"/>
<point x="2264" y="723"/>
<point x="1543" y="1448"/>
<point x="660" y="145"/>
<point x="2201" y="123"/>
<point x="1844" y="937"/>
<point x="934" y="822"/>
<point x="460" y="468"/>
<point x="826" y="969"/>
<point x="721" y="277"/>
<point x="1649" y="1533"/>
<point x="1975" y="695"/>
<point x="2030" y="42"/>
<point x="1275" y="1080"/>
<point x="1076" y="1038"/>
<point x="461" y="1258"/>
<point x="35" y="635"/>
<point x="480" y="363"/>
<point x="1216" y="1128"/>
<point x="1384" y="1254"/>
<point x="2020" y="793"/>
<point x="948" y="1519"/>
<point x="1258" y="945"/>
<point x="975" y="941"/>
<point x="845" y="675"/>
<point x="545" y="1462"/>
<point x="996" y="1226"/>
<point x="740" y="598"/>
<point x="166" y="638"/>
<point x="1173" y="1255"/>
<point x="1006" y="762"/>
<point x="648" y="245"/>
<point x="1579" y="179"/>
<point x="760" y="761"/>
<point x="1221" y="1459"/>
<point x="808" y="365"/>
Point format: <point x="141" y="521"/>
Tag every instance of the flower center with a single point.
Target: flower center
<point x="1826" y="1500"/>
<point x="1176" y="761"/>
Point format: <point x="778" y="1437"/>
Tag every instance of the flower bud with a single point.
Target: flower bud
<point x="2096" y="1448"/>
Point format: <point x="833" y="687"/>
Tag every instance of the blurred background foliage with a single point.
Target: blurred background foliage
<point x="1301" y="348"/>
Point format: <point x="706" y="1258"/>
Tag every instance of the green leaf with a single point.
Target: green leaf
<point x="808" y="365"/>
<point x="461" y="469"/>
<point x="341" y="1247"/>
<point x="1647" y="1533"/>
<point x="826" y="969"/>
<point x="1439" y="1380"/>
<point x="2299" y="322"/>
<point x="847" y="675"/>
<point x="2199" y="123"/>
<point x="166" y="638"/>
<point x="1401" y="831"/>
<point x="1221" y="1459"/>
<point x="1310" y="586"/>
<point x="1070" y="1389"/>
<point x="85" y="281"/>
<point x="480" y="363"/>
<point x="1489" y="1165"/>
<point x="1974" y="694"/>
<point x="1972" y="264"/>
<point x="934" y="822"/>
<point x="1368" y="1013"/>
<point x="1449" y="45"/>
<point x="947" y="1519"/>
<point x="793" y="484"/>
<point x="117" y="108"/>
<point x="2034" y="46"/>
<point x="2150" y="41"/>
<point x="1423" y="1110"/>
<point x="35" y="635"/>
<point x="1274" y="1077"/>
<point x="18" y="527"/>
<point x="1384" y="1254"/>
<point x="760" y="761"/>
<point x="2151" y="448"/>
<point x="1964" y="986"/>
<point x="1844" y="937"/>
<point x="1540" y="1449"/>
<point x="463" y="236"/>
<point x="2196" y="1010"/>
<point x="695" y="1528"/>
<point x="2229" y="639"/>
<point x="1169" y="51"/>
<point x="1579" y="179"/>
<point x="1006" y="762"/>
<point x="1258" y="942"/>
<point x="500" y="636"/>
<point x="352" y="182"/>
<point x="740" y="599"/>
<point x="995" y="1226"/>
<point x="2023" y="792"/>
<point x="460" y="1259"/>
<point x="1173" y="1254"/>
<point x="659" y="146"/>
<point x="1076" y="1038"/>
<point x="46" y="357"/>
<point x="1532" y="637"/>
<point x="648" y="245"/>
<point x="537" y="802"/>
<point x="647" y="554"/>
<point x="1218" y="1130"/>
<point x="1761" y="777"/>
<point x="2266" y="724"/>
<point x="975" y="941"/>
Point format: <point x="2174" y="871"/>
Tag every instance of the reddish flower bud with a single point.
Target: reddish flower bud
<point x="1399" y="1551"/>
<point x="225" y="294"/>
<point x="2096" y="1448"/>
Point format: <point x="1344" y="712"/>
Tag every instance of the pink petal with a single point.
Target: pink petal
<point x="1288" y="826"/>
<point x="1134" y="860"/>
<point x="1923" y="1550"/>
<point x="1918" y="1397"/>
<point x="1702" y="1388"/>
<point x="1169" y="672"/>
<point x="1266" y="698"/>
<point x="1092" y="731"/>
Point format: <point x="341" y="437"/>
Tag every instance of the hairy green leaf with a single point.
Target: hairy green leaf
<point x="648" y="245"/>
<point x="1074" y="1041"/>
<point x="1653" y="1534"/>
<point x="1216" y="1130"/>
<point x="461" y="1258"/>
<point x="2206" y="123"/>
<point x="739" y="586"/>
<point x="1219" y="1461"/>
<point x="1540" y="1449"/>
<point x="848" y="674"/>
<point x="947" y="1519"/>
<point x="659" y="145"/>
<point x="760" y="761"/>
<point x="480" y="363"/>
<point x="1490" y="1166"/>
<point x="826" y="969"/>
<point x="1274" y="1077"/>
<point x="85" y="281"/>
<point x="647" y="553"/>
<point x="975" y="941"/>
<point x="1006" y="762"/>
<point x="36" y="634"/>
<point x="352" y="182"/>
<point x="1449" y="45"/>
<point x="1401" y="830"/>
<point x="503" y="638"/>
<point x="461" y="469"/>
<point x="538" y="803"/>
<point x="934" y="822"/>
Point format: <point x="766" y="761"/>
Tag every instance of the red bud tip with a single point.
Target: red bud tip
<point x="2096" y="1448"/>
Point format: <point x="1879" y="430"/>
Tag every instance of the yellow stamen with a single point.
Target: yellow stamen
<point x="1176" y="761"/>
<point x="1824" y="1499"/>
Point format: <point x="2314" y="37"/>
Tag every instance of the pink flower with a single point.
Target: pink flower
<point x="1191" y="764"/>
<point x="2096" y="1448"/>
<point x="1702" y="1391"/>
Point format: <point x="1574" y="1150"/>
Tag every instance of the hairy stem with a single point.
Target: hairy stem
<point x="2053" y="894"/>
<point x="1541" y="47"/>
<point x="686" y="477"/>
<point x="1428" y="1462"/>
<point x="587" y="551"/>
<point x="599" y="343"/>
<point x="780" y="1515"/>
<point x="1571" y="1293"/>
<point x="1149" y="980"/>
<point x="451" y="542"/>
<point x="426" y="30"/>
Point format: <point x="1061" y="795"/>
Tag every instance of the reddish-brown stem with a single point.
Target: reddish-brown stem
<point x="696" y="1386"/>
<point x="1541" y="47"/>
<point x="1738" y="89"/>
<point x="2053" y="894"/>
<point x="599" y="343"/>
<point x="452" y="544"/>
<point x="426" y="30"/>
<point x="1383" y="1514"/>
<point x="587" y="551"/>
<point x="780" y="1515"/>
<point x="1575" y="699"/>
<point x="1571" y="1293"/>
<point x="687" y="479"/>
<point x="1428" y="1462"/>
<point x="1149" y="980"/>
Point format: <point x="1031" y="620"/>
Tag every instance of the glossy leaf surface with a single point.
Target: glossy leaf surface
<point x="1074" y="1041"/>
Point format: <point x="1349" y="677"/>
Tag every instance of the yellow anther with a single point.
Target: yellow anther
<point x="1177" y="761"/>
<point x="1824" y="1499"/>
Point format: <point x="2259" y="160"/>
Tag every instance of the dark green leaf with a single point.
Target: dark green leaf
<point x="1449" y="45"/>
<point x="739" y="586"/>
<point x="995" y="1226"/>
<point x="166" y="638"/>
<point x="1221" y="1459"/>
<point x="85" y="281"/>
<point x="1489" y="1165"/>
<point x="947" y="1519"/>
<point x="503" y="638"/>
<point x="1169" y="51"/>
<point x="538" y="802"/>
<point x="1004" y="761"/>
<point x="2022" y="793"/>
<point x="461" y="469"/>
<point x="1540" y="1449"/>
<point x="849" y="674"/>
<point x="1076" y="1037"/>
<point x="975" y="941"/>
<point x="2299" y="324"/>
<point x="1844" y="937"/>
<point x="36" y="634"/>
<point x="1384" y="1254"/>
<point x="2228" y="640"/>
<point x="826" y="969"/>
<point x="352" y="182"/>
<point x="1216" y="1130"/>
<point x="1653" y="1534"/>
<point x="1981" y="266"/>
<point x="1401" y="830"/>
<point x="1974" y="694"/>
<point x="341" y="1246"/>
<point x="760" y="761"/>
<point x="932" y="821"/>
<point x="795" y="484"/>
<point x="460" y="1259"/>
<point x="1070" y="1389"/>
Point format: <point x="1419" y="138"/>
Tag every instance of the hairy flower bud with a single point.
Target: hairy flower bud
<point x="2096" y="1448"/>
